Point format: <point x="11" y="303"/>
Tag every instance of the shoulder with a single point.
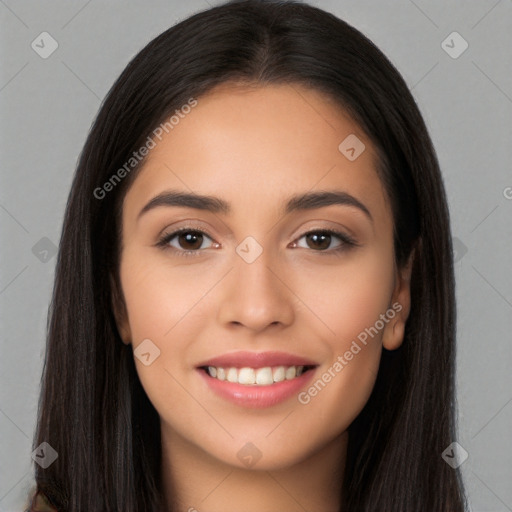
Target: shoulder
<point x="40" y="503"/>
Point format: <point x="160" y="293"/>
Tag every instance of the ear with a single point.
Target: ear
<point x="120" y="313"/>
<point x="394" y="331"/>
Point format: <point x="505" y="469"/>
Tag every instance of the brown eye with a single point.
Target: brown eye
<point x="319" y="240"/>
<point x="190" y="240"/>
<point x="185" y="241"/>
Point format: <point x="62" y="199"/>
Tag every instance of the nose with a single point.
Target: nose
<point x="256" y="295"/>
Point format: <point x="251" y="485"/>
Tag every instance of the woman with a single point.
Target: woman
<point x="304" y="358"/>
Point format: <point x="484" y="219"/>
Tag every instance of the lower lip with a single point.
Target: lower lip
<point x="257" y="397"/>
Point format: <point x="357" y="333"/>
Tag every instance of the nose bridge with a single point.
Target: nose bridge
<point x="255" y="296"/>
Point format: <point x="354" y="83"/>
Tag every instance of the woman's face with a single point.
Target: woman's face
<point x="291" y="319"/>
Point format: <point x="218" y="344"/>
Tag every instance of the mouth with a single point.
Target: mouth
<point x="265" y="376"/>
<point x="256" y="380"/>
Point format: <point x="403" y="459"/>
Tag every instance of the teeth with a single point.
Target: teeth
<point x="279" y="373"/>
<point x="246" y="376"/>
<point x="264" y="376"/>
<point x="291" y="372"/>
<point x="256" y="376"/>
<point x="232" y="375"/>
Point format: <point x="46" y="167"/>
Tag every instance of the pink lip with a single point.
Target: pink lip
<point x="243" y="359"/>
<point x="257" y="397"/>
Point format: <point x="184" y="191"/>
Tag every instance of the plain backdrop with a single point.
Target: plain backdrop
<point x="47" y="106"/>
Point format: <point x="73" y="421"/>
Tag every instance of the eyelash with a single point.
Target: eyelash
<point x="347" y="241"/>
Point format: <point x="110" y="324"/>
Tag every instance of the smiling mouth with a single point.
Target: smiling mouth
<point x="265" y="376"/>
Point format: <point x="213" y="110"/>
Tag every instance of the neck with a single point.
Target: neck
<point x="195" y="481"/>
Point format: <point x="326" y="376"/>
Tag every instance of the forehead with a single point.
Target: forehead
<point x="255" y="145"/>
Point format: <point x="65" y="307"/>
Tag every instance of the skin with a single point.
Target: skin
<point x="254" y="146"/>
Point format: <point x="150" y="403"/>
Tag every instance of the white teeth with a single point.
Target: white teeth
<point x="246" y="376"/>
<point x="256" y="376"/>
<point x="279" y="374"/>
<point x="264" y="376"/>
<point x="232" y="375"/>
<point x="290" y="373"/>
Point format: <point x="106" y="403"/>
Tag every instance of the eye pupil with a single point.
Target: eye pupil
<point x="323" y="238"/>
<point x="192" y="237"/>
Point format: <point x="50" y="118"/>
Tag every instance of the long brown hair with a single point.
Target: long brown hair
<point x="93" y="410"/>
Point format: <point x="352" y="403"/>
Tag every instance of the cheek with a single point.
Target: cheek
<point x="157" y="296"/>
<point x="348" y="302"/>
<point x="146" y="310"/>
<point x="347" y="297"/>
<point x="160" y="305"/>
<point x="166" y="304"/>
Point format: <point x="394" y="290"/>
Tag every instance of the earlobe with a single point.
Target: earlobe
<point x="120" y="314"/>
<point x="123" y="328"/>
<point x="393" y="335"/>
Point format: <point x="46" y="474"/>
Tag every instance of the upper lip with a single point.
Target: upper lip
<point x="243" y="359"/>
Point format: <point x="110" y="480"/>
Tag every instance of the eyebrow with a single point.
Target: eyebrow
<point x="300" y="202"/>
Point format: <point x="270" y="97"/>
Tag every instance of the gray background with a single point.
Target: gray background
<point x="47" y="106"/>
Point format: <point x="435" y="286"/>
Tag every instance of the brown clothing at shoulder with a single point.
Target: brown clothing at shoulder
<point x="40" y="504"/>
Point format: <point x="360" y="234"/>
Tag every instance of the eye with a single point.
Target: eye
<point x="188" y="241"/>
<point x="320" y="240"/>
